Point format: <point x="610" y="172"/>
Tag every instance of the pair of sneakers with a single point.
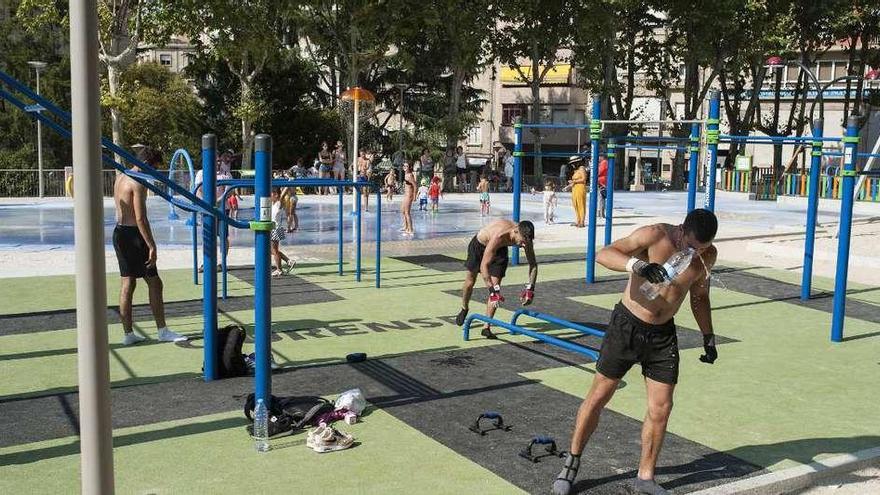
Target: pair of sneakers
<point x="165" y="335"/>
<point x="285" y="270"/>
<point x="325" y="438"/>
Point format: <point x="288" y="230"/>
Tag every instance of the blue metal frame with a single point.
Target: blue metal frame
<point x="514" y="329"/>
<point x="209" y="257"/>
<point x="517" y="181"/>
<point x="558" y="321"/>
<point x="712" y="145"/>
<point x="262" y="282"/>
<point x="843" y="239"/>
<point x="595" y="136"/>
<point x="812" y="208"/>
<point x="693" y="166"/>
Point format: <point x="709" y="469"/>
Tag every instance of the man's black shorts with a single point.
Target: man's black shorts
<point x="498" y="264"/>
<point x="132" y="252"/>
<point x="629" y="340"/>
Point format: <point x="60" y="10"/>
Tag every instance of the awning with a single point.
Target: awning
<point x="558" y="74"/>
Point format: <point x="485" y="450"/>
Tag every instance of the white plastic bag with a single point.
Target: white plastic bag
<point x="353" y="400"/>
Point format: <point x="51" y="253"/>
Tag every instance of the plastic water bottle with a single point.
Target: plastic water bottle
<point x="261" y="427"/>
<point x="674" y="266"/>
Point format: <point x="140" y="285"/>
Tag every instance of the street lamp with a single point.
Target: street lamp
<point x="402" y="87"/>
<point x="39" y="66"/>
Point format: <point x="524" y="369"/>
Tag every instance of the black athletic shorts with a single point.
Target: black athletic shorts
<point x="498" y="265"/>
<point x="629" y="340"/>
<point x="132" y="252"/>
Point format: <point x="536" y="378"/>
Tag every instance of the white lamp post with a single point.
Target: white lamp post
<point x="39" y="66"/>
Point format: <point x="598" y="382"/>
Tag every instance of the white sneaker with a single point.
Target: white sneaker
<point x="276" y="273"/>
<point x="166" y="335"/>
<point x="330" y="439"/>
<point x="132" y="338"/>
<point x="313" y="435"/>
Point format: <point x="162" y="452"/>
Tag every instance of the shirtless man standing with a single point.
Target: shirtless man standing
<point x="409" y="193"/>
<point x="487" y="256"/>
<point x="643" y="331"/>
<point x="136" y="250"/>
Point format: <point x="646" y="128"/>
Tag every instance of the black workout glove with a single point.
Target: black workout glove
<point x="654" y="272"/>
<point x="709" y="346"/>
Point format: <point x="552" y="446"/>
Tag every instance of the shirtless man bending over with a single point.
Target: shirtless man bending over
<point x="136" y="250"/>
<point x="487" y="256"/>
<point x="643" y="331"/>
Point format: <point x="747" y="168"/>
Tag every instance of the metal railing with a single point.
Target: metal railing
<point x="24" y="183"/>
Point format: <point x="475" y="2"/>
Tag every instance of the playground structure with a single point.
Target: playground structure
<point x="160" y="184"/>
<point x="710" y="139"/>
<point x="515" y="329"/>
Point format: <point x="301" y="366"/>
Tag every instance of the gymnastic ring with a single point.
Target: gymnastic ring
<point x="68" y="185"/>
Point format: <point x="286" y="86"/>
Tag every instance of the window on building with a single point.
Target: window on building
<point x="559" y="116"/>
<point x="839" y="68"/>
<point x="475" y="136"/>
<point x="580" y="116"/>
<point x="165" y="59"/>
<point x="826" y="71"/>
<point x="510" y="112"/>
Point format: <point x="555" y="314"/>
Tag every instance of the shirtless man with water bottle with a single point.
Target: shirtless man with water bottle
<point x="642" y="331"/>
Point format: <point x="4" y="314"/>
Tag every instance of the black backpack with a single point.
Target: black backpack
<point x="288" y="414"/>
<point x="229" y="358"/>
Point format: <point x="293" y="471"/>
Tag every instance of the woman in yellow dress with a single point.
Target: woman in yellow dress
<point x="578" y="187"/>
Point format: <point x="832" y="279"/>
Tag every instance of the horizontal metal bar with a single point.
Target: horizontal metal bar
<point x="652" y="138"/>
<point x="808" y="139"/>
<point x="652" y="122"/>
<point x="552" y="154"/>
<point x="559" y="321"/>
<point x="651" y="148"/>
<point x="555" y="126"/>
<point x="513" y="329"/>
<point x="295" y="183"/>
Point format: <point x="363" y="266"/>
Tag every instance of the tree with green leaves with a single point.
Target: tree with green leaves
<point x="539" y="32"/>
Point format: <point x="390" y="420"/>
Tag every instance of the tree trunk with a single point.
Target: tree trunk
<point x="247" y="132"/>
<point x="113" y="73"/>
<point x="453" y="131"/>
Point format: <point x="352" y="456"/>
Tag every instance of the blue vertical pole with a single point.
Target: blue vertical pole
<point x="812" y="208"/>
<point x="378" y="237"/>
<point x="712" y="145"/>
<point x="195" y="243"/>
<point x="224" y="240"/>
<point x="517" y="180"/>
<point x="357" y="234"/>
<point x="693" y="166"/>
<point x="209" y="256"/>
<point x="339" y="230"/>
<point x="851" y="141"/>
<point x="609" y="190"/>
<point x="262" y="284"/>
<point x="595" y="135"/>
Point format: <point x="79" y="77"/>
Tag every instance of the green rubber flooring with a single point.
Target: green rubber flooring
<point x="780" y="394"/>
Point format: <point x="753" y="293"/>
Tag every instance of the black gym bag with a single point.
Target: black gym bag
<point x="288" y="414"/>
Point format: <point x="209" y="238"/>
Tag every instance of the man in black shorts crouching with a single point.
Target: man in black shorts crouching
<point x="136" y="250"/>
<point x="487" y="255"/>
<point x="642" y="331"/>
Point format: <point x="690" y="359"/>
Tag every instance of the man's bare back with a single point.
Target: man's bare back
<point x="502" y="228"/>
<point x="663" y="241"/>
<point x="125" y="192"/>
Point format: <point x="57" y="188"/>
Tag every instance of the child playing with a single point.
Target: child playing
<point x="390" y="185"/>
<point x="277" y="236"/>
<point x="550" y="202"/>
<point x="423" y="195"/>
<point x="434" y="194"/>
<point x="483" y="189"/>
<point x="232" y="204"/>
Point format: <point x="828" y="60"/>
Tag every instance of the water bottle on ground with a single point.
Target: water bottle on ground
<point x="674" y="266"/>
<point x="261" y="427"/>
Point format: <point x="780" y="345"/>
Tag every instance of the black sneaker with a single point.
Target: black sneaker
<point x="488" y="333"/>
<point x="459" y="319"/>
